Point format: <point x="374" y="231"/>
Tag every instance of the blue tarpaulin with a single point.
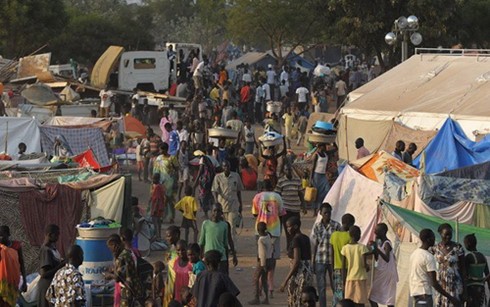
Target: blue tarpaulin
<point x="451" y="149"/>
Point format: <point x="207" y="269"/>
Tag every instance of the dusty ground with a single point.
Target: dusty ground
<point x="242" y="275"/>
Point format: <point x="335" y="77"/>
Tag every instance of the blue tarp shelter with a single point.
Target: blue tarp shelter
<point x="451" y="149"/>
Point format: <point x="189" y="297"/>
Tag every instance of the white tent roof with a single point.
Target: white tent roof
<point x="421" y="93"/>
<point x="436" y="84"/>
<point x="248" y="58"/>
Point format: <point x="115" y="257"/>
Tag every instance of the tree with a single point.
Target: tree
<point x="89" y="33"/>
<point x="475" y="24"/>
<point x="277" y="23"/>
<point x="29" y="24"/>
<point x="365" y="23"/>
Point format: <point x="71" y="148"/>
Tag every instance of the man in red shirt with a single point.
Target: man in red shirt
<point x="245" y="97"/>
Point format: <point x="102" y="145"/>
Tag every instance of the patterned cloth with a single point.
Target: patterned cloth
<point x="448" y="271"/>
<point x="472" y="190"/>
<point x="338" y="287"/>
<point x="157" y="200"/>
<point x="268" y="207"/>
<point x="321" y="236"/>
<point x="206" y="182"/>
<point x="67" y="287"/>
<point x="9" y="275"/>
<point x="79" y="140"/>
<point x="167" y="167"/>
<point x="302" y="278"/>
<point x="125" y="270"/>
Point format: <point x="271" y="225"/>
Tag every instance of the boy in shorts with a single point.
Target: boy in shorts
<point x="188" y="206"/>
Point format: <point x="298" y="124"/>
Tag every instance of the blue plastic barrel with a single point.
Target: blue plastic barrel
<point x="97" y="258"/>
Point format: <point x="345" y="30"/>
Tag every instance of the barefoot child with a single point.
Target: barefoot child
<point x="157" y="204"/>
<point x="355" y="260"/>
<point x="264" y="252"/>
<point x="188" y="206"/>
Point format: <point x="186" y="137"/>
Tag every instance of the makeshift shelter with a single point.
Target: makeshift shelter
<point x="421" y="93"/>
<point x="477" y="171"/>
<point x="79" y="140"/>
<point x="31" y="200"/>
<point x="133" y="127"/>
<point x="376" y="166"/>
<point x="14" y="130"/>
<point x="355" y="194"/>
<point x="451" y="149"/>
<point x="252" y="58"/>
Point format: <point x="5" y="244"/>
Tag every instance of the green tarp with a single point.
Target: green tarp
<point x="415" y="221"/>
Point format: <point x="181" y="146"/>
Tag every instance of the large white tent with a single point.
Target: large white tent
<point x="420" y="93"/>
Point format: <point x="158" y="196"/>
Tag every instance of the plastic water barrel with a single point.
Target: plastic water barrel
<point x="97" y="258"/>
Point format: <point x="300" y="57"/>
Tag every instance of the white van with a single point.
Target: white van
<point x="145" y="70"/>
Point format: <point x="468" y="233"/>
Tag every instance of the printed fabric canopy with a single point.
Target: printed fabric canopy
<point x="451" y="149"/>
<point x="415" y="222"/>
<point x="376" y="166"/>
<point x="79" y="140"/>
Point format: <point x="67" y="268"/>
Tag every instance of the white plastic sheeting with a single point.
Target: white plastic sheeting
<point x="14" y="130"/>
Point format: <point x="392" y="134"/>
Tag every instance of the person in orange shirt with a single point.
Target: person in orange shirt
<point x="223" y="76"/>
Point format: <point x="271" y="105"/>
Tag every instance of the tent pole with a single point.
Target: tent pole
<point x="457" y="229"/>
<point x="6" y="136"/>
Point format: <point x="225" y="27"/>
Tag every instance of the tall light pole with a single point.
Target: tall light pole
<point x="405" y="28"/>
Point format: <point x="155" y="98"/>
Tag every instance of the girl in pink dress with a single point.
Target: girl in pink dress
<point x="181" y="267"/>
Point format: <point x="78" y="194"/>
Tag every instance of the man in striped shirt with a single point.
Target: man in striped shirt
<point x="291" y="191"/>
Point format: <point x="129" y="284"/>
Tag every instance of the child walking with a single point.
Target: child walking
<point x="288" y="125"/>
<point x="183" y="157"/>
<point x="355" y="260"/>
<point x="139" y="157"/>
<point x="188" y="206"/>
<point x="157" y="204"/>
<point x="264" y="252"/>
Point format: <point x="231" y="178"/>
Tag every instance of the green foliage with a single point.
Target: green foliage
<point x="365" y="23"/>
<point x="27" y="25"/>
<point x="276" y="23"/>
<point x="89" y="33"/>
<point x="475" y="24"/>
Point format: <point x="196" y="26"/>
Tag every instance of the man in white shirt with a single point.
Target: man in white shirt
<point x="283" y="89"/>
<point x="105" y="102"/>
<point x="182" y="132"/>
<point x="197" y="75"/>
<point x="267" y="91"/>
<point x="172" y="113"/>
<point x="247" y="77"/>
<point x="302" y="97"/>
<point x="423" y="275"/>
<point x="284" y="76"/>
<point x="271" y="80"/>
<point x="341" y="88"/>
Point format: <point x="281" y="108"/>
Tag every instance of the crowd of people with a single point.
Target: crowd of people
<point x="195" y="269"/>
<point x="197" y="274"/>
